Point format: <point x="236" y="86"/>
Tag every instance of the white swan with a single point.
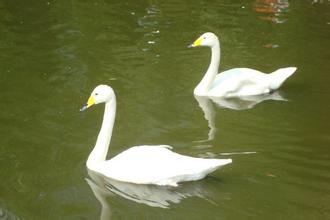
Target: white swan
<point x="142" y="164"/>
<point x="237" y="81"/>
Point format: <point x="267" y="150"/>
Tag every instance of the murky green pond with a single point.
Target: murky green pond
<point x="53" y="53"/>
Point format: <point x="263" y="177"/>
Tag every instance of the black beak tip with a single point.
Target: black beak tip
<point x="190" y="46"/>
<point x="83" y="108"/>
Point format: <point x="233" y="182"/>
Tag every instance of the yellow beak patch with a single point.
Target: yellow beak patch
<point x="90" y="102"/>
<point x="197" y="42"/>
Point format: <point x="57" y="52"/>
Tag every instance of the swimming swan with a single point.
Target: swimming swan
<point x="142" y="164"/>
<point x="237" y="81"/>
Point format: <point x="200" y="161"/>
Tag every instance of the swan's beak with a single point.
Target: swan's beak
<point x="90" y="102"/>
<point x="197" y="43"/>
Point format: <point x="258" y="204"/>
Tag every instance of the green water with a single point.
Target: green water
<point x="53" y="53"/>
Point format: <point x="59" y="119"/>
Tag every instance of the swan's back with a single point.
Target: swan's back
<point x="158" y="165"/>
<point x="246" y="81"/>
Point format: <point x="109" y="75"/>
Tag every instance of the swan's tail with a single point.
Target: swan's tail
<point x="223" y="162"/>
<point x="217" y="163"/>
<point x="279" y="76"/>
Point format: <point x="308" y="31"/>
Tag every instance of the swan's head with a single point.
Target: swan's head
<point x="207" y="39"/>
<point x="100" y="94"/>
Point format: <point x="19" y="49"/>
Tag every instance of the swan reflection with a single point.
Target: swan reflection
<point x="246" y="102"/>
<point x="151" y="195"/>
<point x="209" y="114"/>
<point x="237" y="103"/>
<point x="6" y="214"/>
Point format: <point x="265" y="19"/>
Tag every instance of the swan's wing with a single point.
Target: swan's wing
<point x="239" y="81"/>
<point x="156" y="165"/>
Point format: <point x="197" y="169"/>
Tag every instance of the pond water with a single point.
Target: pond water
<point x="53" y="53"/>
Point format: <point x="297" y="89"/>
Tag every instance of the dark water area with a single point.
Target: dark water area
<point x="53" y="53"/>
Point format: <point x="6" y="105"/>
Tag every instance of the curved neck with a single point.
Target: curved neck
<point x="206" y="83"/>
<point x="100" y="150"/>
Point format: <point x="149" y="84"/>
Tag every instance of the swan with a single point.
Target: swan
<point x="238" y="81"/>
<point x="141" y="164"/>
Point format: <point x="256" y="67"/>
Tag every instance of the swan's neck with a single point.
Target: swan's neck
<point x="100" y="150"/>
<point x="206" y="83"/>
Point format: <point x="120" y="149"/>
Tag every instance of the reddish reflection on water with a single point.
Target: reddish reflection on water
<point x="271" y="10"/>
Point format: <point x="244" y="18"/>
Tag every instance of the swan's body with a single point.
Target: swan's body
<point x="237" y="81"/>
<point x="142" y="164"/>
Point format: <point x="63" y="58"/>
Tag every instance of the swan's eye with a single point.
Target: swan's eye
<point x="96" y="93"/>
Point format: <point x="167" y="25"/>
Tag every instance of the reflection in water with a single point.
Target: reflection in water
<point x="5" y="214"/>
<point x="101" y="193"/>
<point x="320" y="1"/>
<point x="151" y="195"/>
<point x="207" y="106"/>
<point x="271" y="10"/>
<point x="235" y="103"/>
<point x="246" y="102"/>
<point x="149" y="25"/>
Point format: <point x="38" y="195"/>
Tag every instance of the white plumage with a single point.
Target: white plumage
<point x="142" y="164"/>
<point x="237" y="81"/>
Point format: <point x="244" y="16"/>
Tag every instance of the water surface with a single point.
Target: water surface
<point x="54" y="53"/>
